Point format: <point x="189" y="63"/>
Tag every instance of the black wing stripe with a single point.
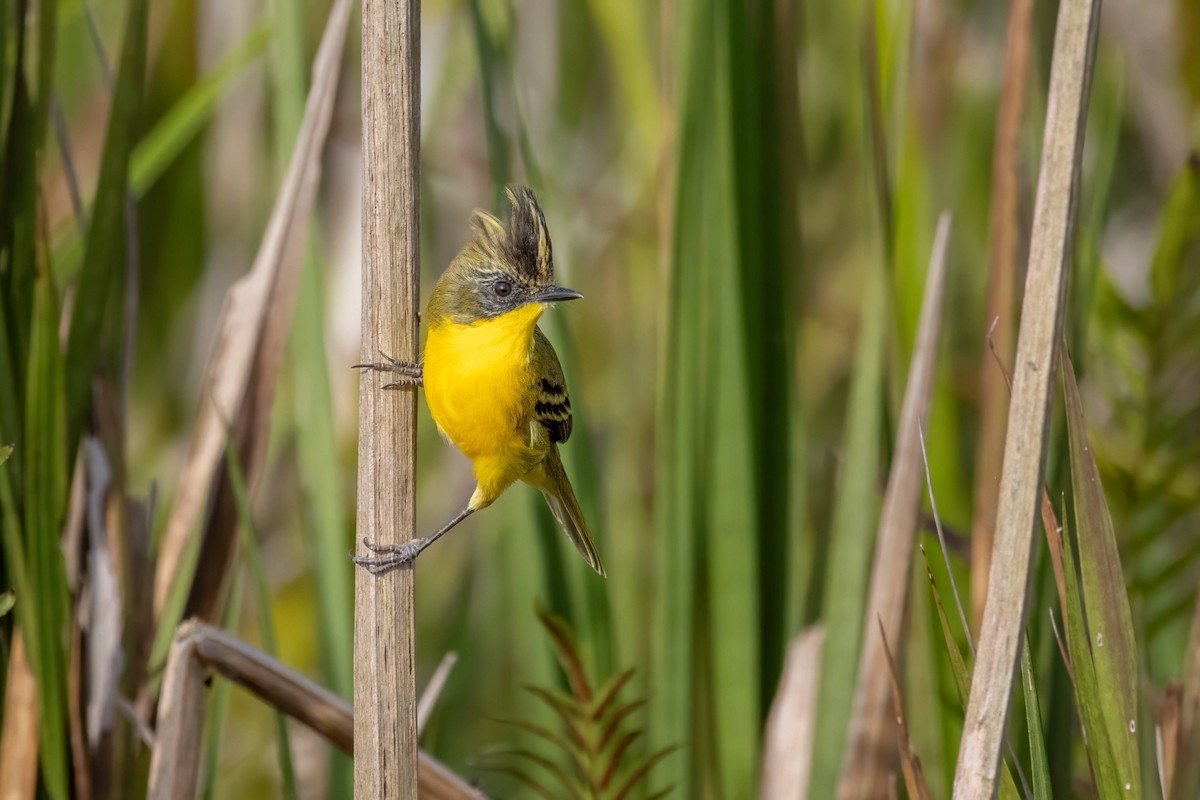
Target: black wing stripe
<point x="552" y="410"/>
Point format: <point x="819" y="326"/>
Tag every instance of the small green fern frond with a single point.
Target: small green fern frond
<point x="614" y="722"/>
<point x="614" y="760"/>
<point x="528" y="780"/>
<point x="608" y="692"/>
<point x="602" y="760"/>
<point x="639" y="773"/>
<point x="577" y="755"/>
<point x="574" y="790"/>
<point x="566" y="708"/>
<point x="566" y="649"/>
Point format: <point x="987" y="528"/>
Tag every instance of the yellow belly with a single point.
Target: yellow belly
<point x="477" y="384"/>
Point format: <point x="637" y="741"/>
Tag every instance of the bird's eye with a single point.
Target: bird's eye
<point x="502" y="288"/>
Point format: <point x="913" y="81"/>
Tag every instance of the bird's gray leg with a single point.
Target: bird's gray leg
<point x="397" y="555"/>
<point x="410" y="372"/>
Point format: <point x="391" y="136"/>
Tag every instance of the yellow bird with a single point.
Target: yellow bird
<point x="492" y="380"/>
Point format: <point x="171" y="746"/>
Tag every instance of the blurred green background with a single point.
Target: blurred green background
<point x="750" y="225"/>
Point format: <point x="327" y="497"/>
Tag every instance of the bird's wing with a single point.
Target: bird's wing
<point x="552" y="405"/>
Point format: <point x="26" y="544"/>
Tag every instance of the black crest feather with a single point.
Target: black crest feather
<point x="525" y="243"/>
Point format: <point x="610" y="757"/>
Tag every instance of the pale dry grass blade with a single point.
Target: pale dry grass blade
<point x="239" y="382"/>
<point x="19" y="736"/>
<point x="1028" y="420"/>
<point x="1003" y="235"/>
<point x="198" y="648"/>
<point x="867" y="759"/>
<point x="104" y="625"/>
<point x="433" y="690"/>
<point x="791" y="723"/>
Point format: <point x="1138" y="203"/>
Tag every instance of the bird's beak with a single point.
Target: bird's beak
<point x="556" y="293"/>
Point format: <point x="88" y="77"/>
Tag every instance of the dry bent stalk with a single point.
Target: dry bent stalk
<point x="199" y="648"/>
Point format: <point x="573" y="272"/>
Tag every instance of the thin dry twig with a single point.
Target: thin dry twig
<point x="1025" y="443"/>
<point x="914" y="776"/>
<point x="239" y="383"/>
<point x="867" y="762"/>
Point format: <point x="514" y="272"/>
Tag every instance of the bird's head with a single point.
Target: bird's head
<point x="502" y="268"/>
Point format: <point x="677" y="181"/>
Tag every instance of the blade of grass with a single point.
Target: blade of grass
<point x="97" y="323"/>
<point x="262" y="597"/>
<point x="864" y="768"/>
<point x="851" y="538"/>
<point x="1033" y="713"/>
<point x="682" y="411"/>
<point x="1025" y="442"/>
<point x="1087" y="693"/>
<point x="45" y="494"/>
<point x="159" y="148"/>
<point x="1106" y="602"/>
<point x="961" y="671"/>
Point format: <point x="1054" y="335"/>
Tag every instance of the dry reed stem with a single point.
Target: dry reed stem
<point x="1003" y="228"/>
<point x="1034" y="368"/>
<point x="791" y="725"/>
<point x="19" y="736"/>
<point x="385" y="724"/>
<point x="869" y="753"/>
<point x="240" y="377"/>
<point x="196" y="649"/>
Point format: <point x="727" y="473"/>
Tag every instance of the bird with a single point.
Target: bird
<point x="492" y="380"/>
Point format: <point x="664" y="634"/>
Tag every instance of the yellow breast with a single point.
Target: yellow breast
<point x="477" y="382"/>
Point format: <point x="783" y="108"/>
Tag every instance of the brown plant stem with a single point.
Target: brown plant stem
<point x="1003" y="230"/>
<point x="385" y="724"/>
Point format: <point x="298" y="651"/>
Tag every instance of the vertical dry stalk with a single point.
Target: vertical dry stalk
<point x="19" y="733"/>
<point x="1003" y="228"/>
<point x="1025" y="443"/>
<point x="868" y="758"/>
<point x="385" y="725"/>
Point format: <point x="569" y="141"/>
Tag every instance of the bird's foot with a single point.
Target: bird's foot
<point x="410" y="372"/>
<point x="394" y="556"/>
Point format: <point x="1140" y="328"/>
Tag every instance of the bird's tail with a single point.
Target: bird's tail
<point x="561" y="498"/>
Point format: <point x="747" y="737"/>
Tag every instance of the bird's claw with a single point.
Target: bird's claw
<point x="395" y="556"/>
<point x="411" y="373"/>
